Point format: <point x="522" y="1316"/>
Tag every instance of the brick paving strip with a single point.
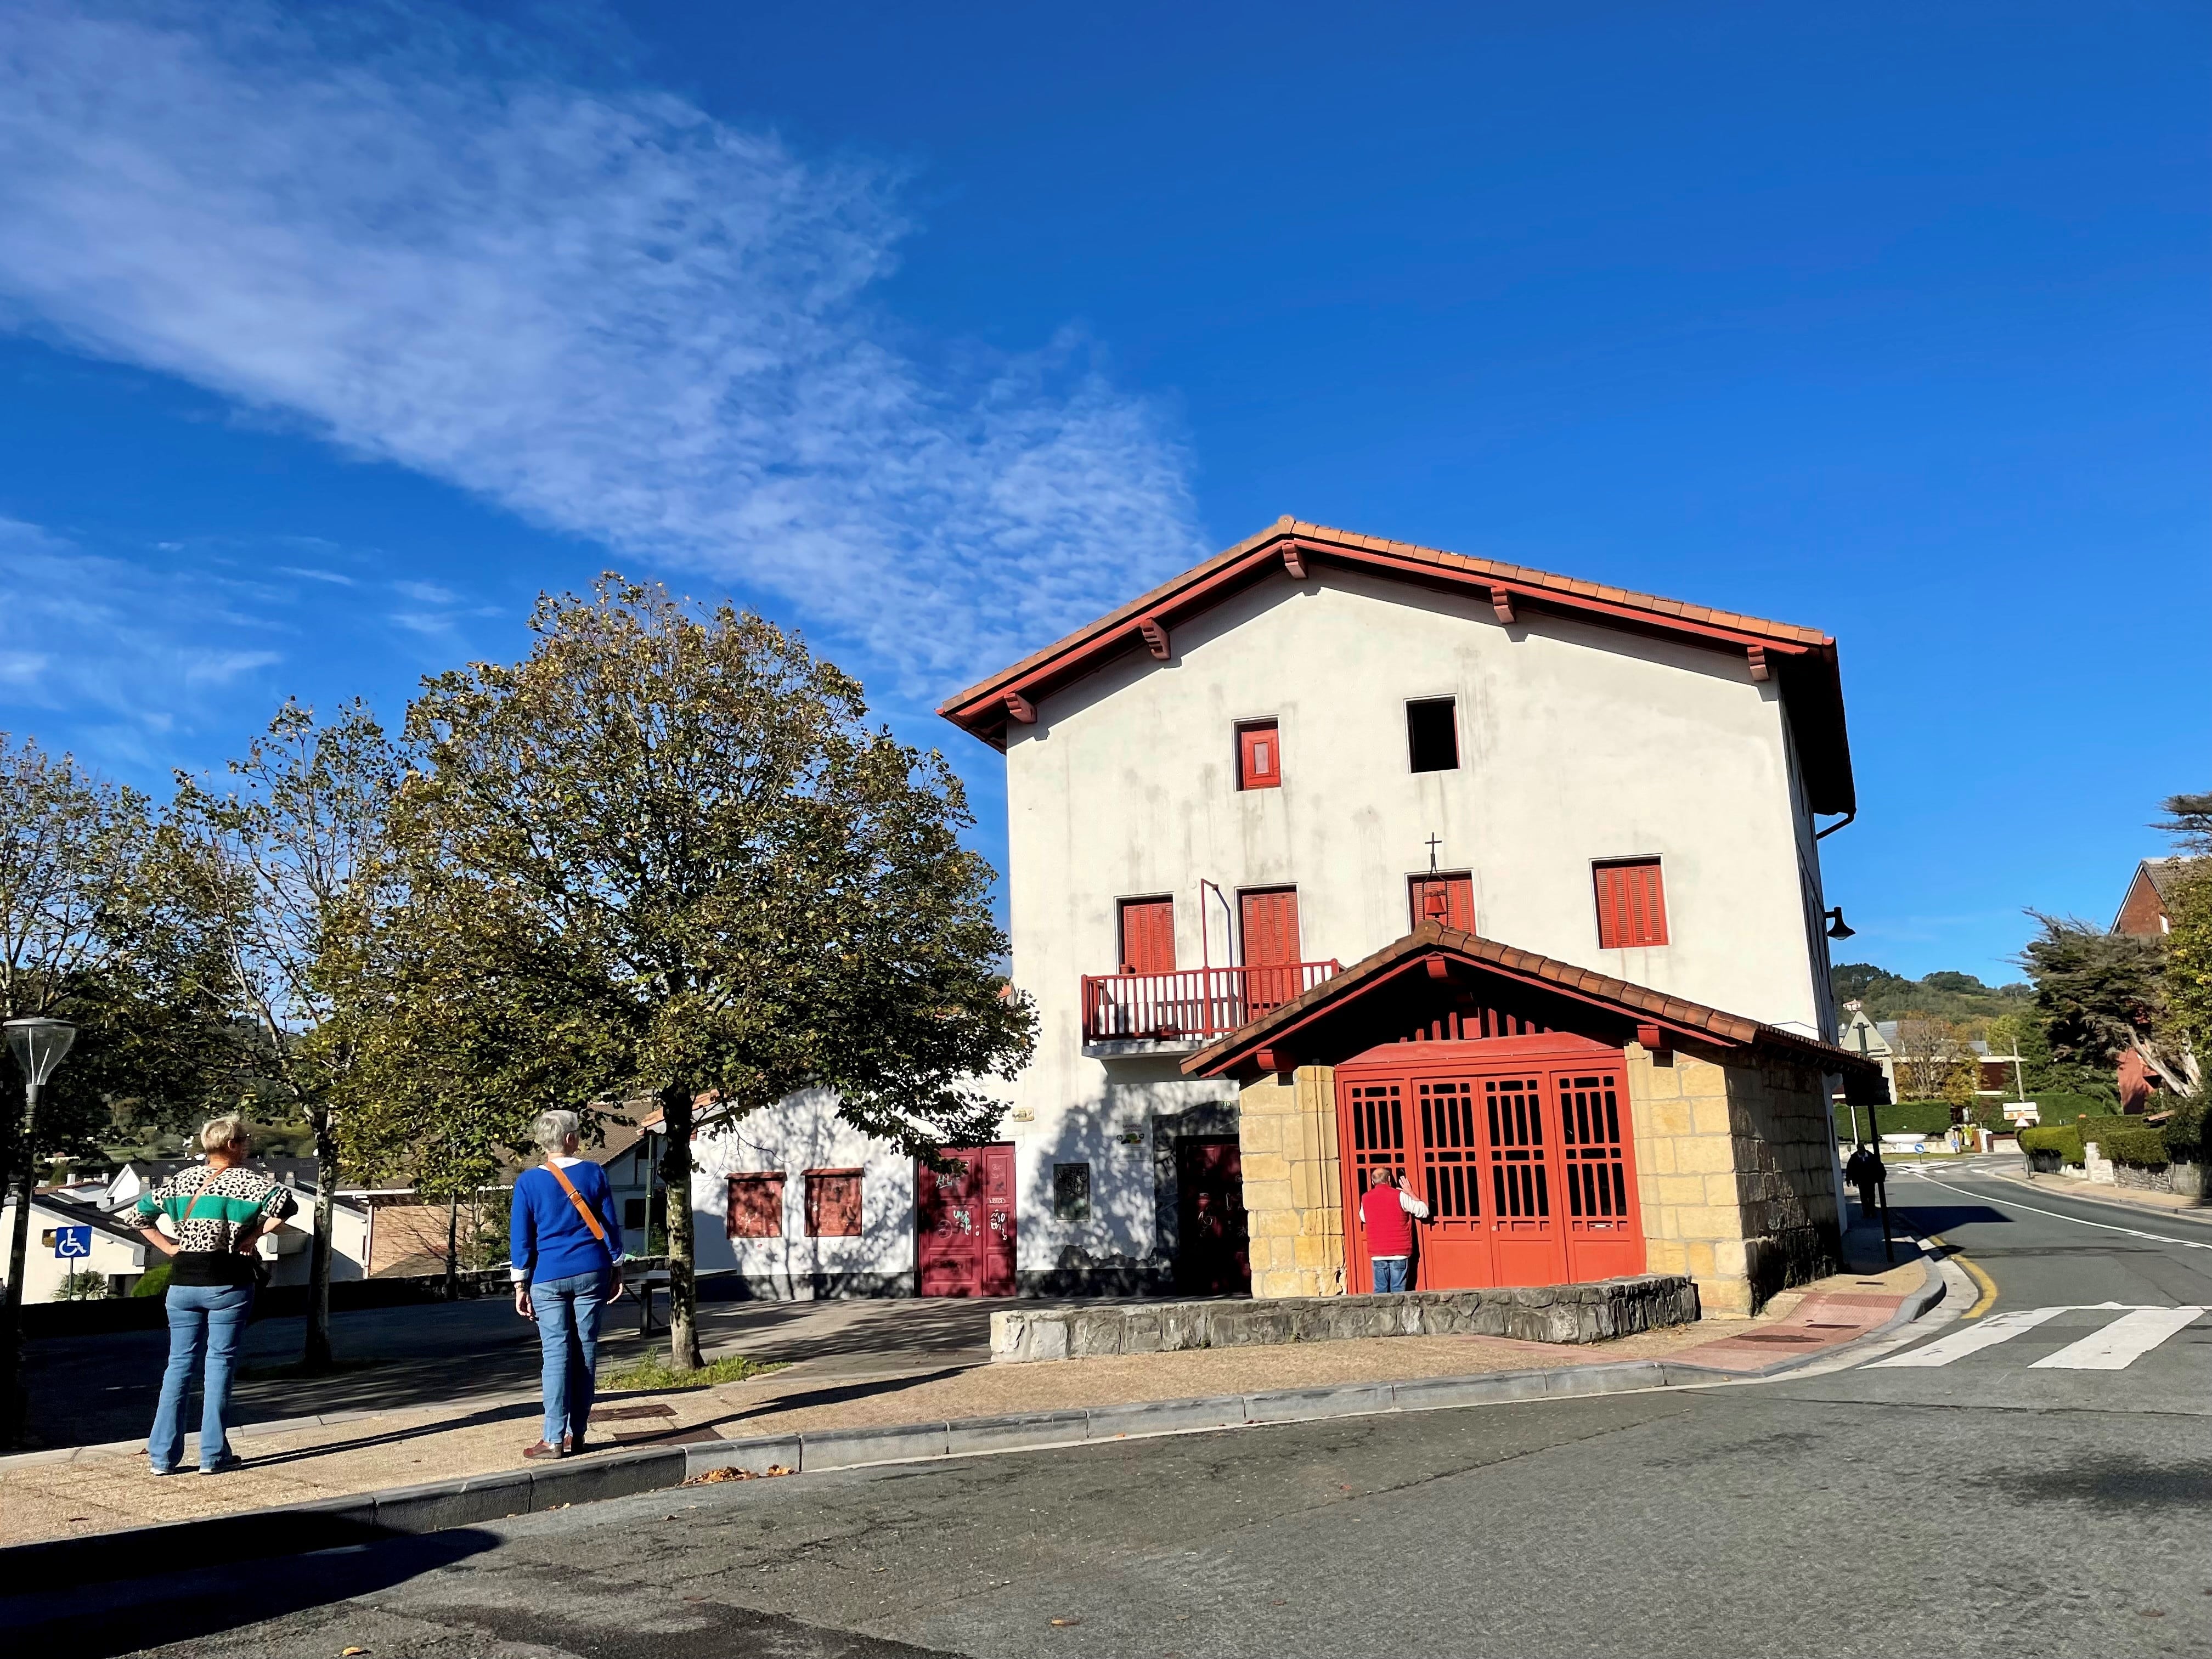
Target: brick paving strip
<point x="347" y="1477"/>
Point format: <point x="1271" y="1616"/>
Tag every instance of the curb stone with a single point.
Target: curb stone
<point x="367" y="1517"/>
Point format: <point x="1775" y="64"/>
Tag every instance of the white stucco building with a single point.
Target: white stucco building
<point x="1275" y="765"/>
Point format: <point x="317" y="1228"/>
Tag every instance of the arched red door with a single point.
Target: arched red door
<point x="1522" y="1147"/>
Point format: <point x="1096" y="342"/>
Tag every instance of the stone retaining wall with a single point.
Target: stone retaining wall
<point x="1549" y="1313"/>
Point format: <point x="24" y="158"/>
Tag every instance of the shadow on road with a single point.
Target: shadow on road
<point x="93" y="1621"/>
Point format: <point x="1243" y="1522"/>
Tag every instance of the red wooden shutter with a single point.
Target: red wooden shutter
<point x="755" y="1205"/>
<point x="1148" y="936"/>
<point x="1447" y="899"/>
<point x="1258" y="755"/>
<point x="1632" y="905"/>
<point x="1271" y="926"/>
<point x="833" y="1203"/>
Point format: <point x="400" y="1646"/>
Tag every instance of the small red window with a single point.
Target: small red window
<point x="757" y="1206"/>
<point x="1148" y="936"/>
<point x="833" y="1203"/>
<point x="1632" y="904"/>
<point x="1258" y="755"/>
<point x="1449" y="899"/>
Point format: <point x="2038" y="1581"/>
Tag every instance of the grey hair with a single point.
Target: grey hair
<point x="552" y="1130"/>
<point x="219" y="1134"/>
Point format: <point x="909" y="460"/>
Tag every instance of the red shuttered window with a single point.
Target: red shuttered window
<point x="833" y="1203"/>
<point x="1632" y="904"/>
<point x="1270" y="916"/>
<point x="1258" y="755"/>
<point x="1449" y="899"/>
<point x="757" y="1206"/>
<point x="1148" y="936"/>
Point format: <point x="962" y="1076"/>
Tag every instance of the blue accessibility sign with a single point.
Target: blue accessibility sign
<point x="70" y="1243"/>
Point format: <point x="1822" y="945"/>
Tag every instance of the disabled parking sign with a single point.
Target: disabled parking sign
<point x="72" y="1243"/>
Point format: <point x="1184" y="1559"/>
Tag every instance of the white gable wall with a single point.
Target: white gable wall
<point x="1577" y="744"/>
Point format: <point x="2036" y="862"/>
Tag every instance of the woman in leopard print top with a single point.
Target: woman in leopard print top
<point x="217" y="1209"/>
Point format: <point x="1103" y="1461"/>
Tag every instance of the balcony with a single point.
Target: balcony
<point x="1193" y="1005"/>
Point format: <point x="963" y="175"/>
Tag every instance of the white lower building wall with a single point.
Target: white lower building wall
<point x="801" y="1134"/>
<point x="1124" y="1127"/>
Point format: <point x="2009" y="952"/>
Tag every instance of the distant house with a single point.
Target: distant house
<point x="2148" y="910"/>
<point x="1870" y="1039"/>
<point x="114" y="1248"/>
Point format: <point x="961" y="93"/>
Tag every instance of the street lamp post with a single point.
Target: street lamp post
<point x="37" y="1045"/>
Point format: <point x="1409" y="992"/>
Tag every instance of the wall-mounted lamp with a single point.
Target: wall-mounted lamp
<point x="1836" y="926"/>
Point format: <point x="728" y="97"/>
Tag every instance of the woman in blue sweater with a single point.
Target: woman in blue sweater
<point x="566" y="1247"/>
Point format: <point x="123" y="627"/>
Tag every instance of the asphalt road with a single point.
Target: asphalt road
<point x="1987" y="1505"/>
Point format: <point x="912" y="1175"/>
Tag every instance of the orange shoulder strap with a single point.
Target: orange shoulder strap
<point x="582" y="1208"/>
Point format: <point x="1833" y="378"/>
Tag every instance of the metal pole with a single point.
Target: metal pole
<point x="14" y="1399"/>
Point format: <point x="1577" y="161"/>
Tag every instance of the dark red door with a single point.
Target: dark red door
<point x="1212" y="1253"/>
<point x="1269" y="917"/>
<point x="965" y="1224"/>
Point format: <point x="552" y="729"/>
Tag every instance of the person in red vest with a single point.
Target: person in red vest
<point x="1387" y="1211"/>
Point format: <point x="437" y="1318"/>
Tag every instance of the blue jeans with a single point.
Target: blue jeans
<point x="568" y="1336"/>
<point x="201" y="1317"/>
<point x="1392" y="1272"/>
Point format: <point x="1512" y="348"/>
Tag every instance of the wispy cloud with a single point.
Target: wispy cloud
<point x="135" y="645"/>
<point x="597" y="306"/>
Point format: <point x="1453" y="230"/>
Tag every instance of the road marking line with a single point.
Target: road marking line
<point x="2003" y="1327"/>
<point x="1983" y="1282"/>
<point x="2132" y="1232"/>
<point x="2121" y="1343"/>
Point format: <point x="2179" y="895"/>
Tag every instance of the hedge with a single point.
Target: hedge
<point x="2131" y="1141"/>
<point x="2066" y="1139"/>
<point x="1918" y="1117"/>
<point x="154" y="1281"/>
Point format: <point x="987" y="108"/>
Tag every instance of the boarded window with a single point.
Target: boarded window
<point x="757" y="1206"/>
<point x="1632" y="904"/>
<point x="1449" y="899"/>
<point x="833" y="1203"/>
<point x="1270" y="918"/>
<point x="1148" y="936"/>
<point x="1432" y="735"/>
<point x="1071" y="1192"/>
<point x="1258" y="755"/>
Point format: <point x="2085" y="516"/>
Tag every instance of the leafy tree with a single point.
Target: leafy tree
<point x="1928" y="1053"/>
<point x="2098" y="995"/>
<point x="92" y="930"/>
<point x="282" y="857"/>
<point x="669" y="858"/>
<point x="1945" y="994"/>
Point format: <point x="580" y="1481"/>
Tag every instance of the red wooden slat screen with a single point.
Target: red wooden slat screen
<point x="1259" y="756"/>
<point x="1271" y="948"/>
<point x="1632" y="905"/>
<point x="755" y="1205"/>
<point x="833" y="1203"/>
<point x="1148" y="936"/>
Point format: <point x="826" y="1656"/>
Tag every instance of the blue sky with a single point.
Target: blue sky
<point x="330" y="335"/>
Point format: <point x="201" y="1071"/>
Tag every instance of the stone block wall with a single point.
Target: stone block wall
<point x="1293" y="1201"/>
<point x="1735" y="1173"/>
<point x="1540" y="1313"/>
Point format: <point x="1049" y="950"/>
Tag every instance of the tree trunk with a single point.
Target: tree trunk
<point x="452" y="1247"/>
<point x="316" y="1355"/>
<point x="676" y="1183"/>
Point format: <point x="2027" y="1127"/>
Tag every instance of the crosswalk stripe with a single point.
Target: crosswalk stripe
<point x="2121" y="1343"/>
<point x="1998" y="1328"/>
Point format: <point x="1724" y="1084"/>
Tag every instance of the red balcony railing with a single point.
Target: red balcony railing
<point x="1194" y="1002"/>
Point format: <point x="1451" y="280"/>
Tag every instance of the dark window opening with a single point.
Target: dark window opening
<point x="633" y="1215"/>
<point x="1432" y="734"/>
<point x="1071" y="1192"/>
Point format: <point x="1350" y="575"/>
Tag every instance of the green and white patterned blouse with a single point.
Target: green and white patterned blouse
<point x="207" y="1209"/>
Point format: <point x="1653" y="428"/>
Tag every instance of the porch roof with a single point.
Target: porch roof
<point x="1434" y="969"/>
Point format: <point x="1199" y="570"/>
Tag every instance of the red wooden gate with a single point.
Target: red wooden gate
<point x="965" y="1224"/>
<point x="1521" y="1146"/>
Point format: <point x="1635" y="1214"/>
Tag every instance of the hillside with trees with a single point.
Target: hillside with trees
<point x="1944" y="994"/>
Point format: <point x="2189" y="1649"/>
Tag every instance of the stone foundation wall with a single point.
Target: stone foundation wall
<point x="1293" y="1198"/>
<point x="1735" y="1174"/>
<point x="1551" y="1313"/>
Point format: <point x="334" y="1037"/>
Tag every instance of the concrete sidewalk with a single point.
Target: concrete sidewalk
<point x="94" y="1489"/>
<point x="2134" y="1198"/>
